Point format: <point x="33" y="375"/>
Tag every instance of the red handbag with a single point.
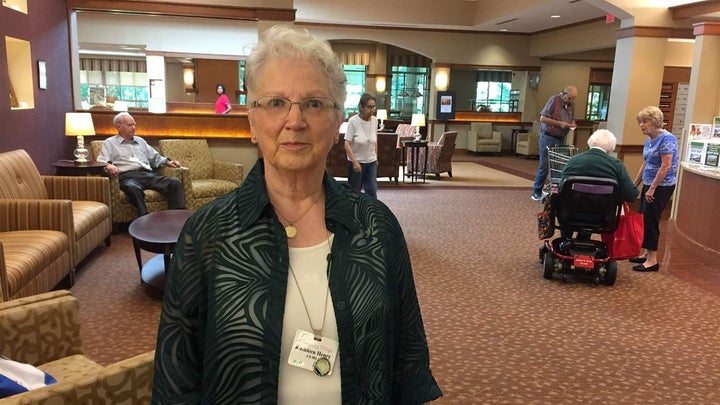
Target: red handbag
<point x="627" y="239"/>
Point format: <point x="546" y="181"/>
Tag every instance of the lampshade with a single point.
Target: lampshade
<point x="418" y="120"/>
<point x="188" y="77"/>
<point x="416" y="94"/>
<point x="381" y="114"/>
<point x="442" y="79"/>
<point x="403" y="93"/>
<point x="79" y="125"/>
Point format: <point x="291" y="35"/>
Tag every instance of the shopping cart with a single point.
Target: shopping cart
<point x="558" y="157"/>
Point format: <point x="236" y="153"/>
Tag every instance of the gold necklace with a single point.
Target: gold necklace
<point x="290" y="229"/>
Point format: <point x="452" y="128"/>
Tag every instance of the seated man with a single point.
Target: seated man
<point x="131" y="159"/>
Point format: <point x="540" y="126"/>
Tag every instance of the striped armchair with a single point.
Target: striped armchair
<point x="76" y="206"/>
<point x="44" y="331"/>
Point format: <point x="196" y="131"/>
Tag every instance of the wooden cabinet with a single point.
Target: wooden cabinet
<point x="668" y="96"/>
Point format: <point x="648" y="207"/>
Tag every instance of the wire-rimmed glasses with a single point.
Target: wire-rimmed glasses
<point x="279" y="107"/>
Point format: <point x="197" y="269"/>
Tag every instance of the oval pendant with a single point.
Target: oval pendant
<point x="290" y="231"/>
<point x="321" y="367"/>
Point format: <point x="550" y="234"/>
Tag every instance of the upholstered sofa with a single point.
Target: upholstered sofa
<point x="35" y="209"/>
<point x="44" y="331"/>
<point x="482" y="138"/>
<point x="209" y="178"/>
<point x="122" y="210"/>
<point x="528" y="144"/>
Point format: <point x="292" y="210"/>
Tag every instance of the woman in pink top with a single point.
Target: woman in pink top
<point x="222" y="105"/>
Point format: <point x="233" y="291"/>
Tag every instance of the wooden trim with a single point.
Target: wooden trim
<point x="706" y="28"/>
<point x="177" y="125"/>
<point x="183" y="10"/>
<point x="696" y="9"/>
<point x="654" y="32"/>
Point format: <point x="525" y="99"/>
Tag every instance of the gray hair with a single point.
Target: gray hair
<point x="652" y="114"/>
<point x="116" y="119"/>
<point x="604" y="139"/>
<point x="282" y="42"/>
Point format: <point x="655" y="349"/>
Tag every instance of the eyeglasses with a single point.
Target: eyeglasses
<point x="370" y="107"/>
<point x="279" y="107"/>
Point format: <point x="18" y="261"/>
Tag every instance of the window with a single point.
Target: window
<point x="355" y="87"/>
<point x="597" y="102"/>
<point x="242" y="96"/>
<point x="408" y="90"/>
<point x="120" y="80"/>
<point x="493" y="91"/>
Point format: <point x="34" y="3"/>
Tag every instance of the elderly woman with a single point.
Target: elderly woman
<point x="597" y="162"/>
<point x="292" y="289"/>
<point x="658" y="176"/>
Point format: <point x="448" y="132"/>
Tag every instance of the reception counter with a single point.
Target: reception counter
<point x="697" y="218"/>
<point x="178" y="125"/>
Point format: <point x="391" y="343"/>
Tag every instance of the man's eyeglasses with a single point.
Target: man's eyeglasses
<point x="279" y="107"/>
<point x="370" y="107"/>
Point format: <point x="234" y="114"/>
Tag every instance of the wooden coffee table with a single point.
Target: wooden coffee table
<point x="157" y="232"/>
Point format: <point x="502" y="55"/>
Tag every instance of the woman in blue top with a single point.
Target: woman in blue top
<point x="658" y="175"/>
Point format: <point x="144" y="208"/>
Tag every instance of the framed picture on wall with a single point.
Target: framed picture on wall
<point x="445" y="105"/>
<point x="42" y="75"/>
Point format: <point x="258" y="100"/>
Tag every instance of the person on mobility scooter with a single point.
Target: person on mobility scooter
<point x="588" y="200"/>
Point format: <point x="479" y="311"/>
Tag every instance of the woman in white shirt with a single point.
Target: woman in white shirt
<point x="361" y="147"/>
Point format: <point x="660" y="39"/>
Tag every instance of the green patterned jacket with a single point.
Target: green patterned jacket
<point x="221" y="323"/>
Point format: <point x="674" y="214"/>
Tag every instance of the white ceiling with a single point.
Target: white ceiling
<point x="516" y="16"/>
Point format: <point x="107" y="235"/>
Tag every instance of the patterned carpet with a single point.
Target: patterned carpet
<point x="498" y="332"/>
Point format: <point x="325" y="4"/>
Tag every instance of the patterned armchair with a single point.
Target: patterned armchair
<point x="528" y="144"/>
<point x="44" y="331"/>
<point x="122" y="210"/>
<point x="209" y="179"/>
<point x="482" y="138"/>
<point x="439" y="158"/>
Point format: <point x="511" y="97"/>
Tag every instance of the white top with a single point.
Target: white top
<point x="296" y="385"/>
<point x="363" y="137"/>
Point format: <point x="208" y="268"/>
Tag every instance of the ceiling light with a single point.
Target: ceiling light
<point x="503" y="29"/>
<point x="555" y="16"/>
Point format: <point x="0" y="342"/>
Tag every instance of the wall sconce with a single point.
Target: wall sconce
<point x="79" y="125"/>
<point x="418" y="120"/>
<point x="381" y="115"/>
<point x="380" y="83"/>
<point x="442" y="79"/>
<point x="189" y="78"/>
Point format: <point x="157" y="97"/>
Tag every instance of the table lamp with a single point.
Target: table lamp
<point x="418" y="120"/>
<point x="381" y="115"/>
<point x="79" y="125"/>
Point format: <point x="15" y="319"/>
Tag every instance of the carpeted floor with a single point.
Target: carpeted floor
<point x="498" y="332"/>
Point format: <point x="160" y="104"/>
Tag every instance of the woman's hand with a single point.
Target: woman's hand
<point x="650" y="194"/>
<point x="356" y="166"/>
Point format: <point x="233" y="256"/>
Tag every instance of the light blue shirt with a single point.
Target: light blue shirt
<point x="653" y="150"/>
<point x="134" y="154"/>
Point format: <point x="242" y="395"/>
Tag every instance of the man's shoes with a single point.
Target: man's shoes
<point x="638" y="259"/>
<point x="536" y="197"/>
<point x="640" y="267"/>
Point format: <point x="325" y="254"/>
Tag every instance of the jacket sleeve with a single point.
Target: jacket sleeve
<point x="178" y="357"/>
<point x="413" y="382"/>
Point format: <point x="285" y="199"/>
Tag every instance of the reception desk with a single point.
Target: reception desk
<point x="178" y="125"/>
<point x="697" y="218"/>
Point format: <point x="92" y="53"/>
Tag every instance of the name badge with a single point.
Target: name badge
<point x="313" y="355"/>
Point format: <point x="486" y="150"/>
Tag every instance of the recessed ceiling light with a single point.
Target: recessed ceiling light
<point x="503" y="29"/>
<point x="555" y="16"/>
